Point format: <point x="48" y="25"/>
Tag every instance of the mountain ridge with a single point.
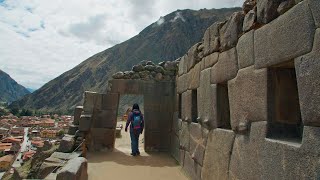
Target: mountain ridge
<point x="10" y="90"/>
<point x="157" y="42"/>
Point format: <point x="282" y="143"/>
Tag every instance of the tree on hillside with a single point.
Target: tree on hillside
<point x="15" y="109"/>
<point x="26" y="112"/>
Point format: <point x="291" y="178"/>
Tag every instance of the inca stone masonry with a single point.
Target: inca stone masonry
<point x="242" y="104"/>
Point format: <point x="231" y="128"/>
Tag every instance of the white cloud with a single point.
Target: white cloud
<point x="41" y="39"/>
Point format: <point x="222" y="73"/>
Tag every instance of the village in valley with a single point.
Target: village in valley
<point x="20" y="137"/>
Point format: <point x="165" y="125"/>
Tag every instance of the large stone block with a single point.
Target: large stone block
<point x="231" y="31"/>
<point x="183" y="83"/>
<point x="290" y="159"/>
<point x="226" y="67"/>
<point x="249" y="21"/>
<point x="210" y="60"/>
<point x="105" y="119"/>
<point x="194" y="76"/>
<point x="193" y="56"/>
<point x="248" y="97"/>
<point x="85" y="122"/>
<point x="315" y="8"/>
<point x="110" y="101"/>
<point x="184" y="136"/>
<point x="92" y="100"/>
<point x="175" y="147"/>
<point x="207" y="106"/>
<point x="191" y="168"/>
<point x="176" y="125"/>
<point x="245" y="50"/>
<point x="211" y="41"/>
<point x="292" y="36"/>
<point x="186" y="104"/>
<point x="77" y="113"/>
<point x="102" y="138"/>
<point x="198" y="154"/>
<point x="181" y="67"/>
<point x="308" y="79"/>
<point x="76" y="169"/>
<point x="218" y="154"/>
<point x="267" y="10"/>
<point x="66" y="144"/>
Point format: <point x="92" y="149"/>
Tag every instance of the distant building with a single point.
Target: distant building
<point x="47" y="123"/>
<point x="5" y="162"/>
<point x="5" y="148"/>
<point x="37" y="144"/>
<point x="28" y="155"/>
<point x="11" y="140"/>
<point x="48" y="133"/>
<point x="17" y="131"/>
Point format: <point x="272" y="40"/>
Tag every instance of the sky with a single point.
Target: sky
<point x="41" y="39"/>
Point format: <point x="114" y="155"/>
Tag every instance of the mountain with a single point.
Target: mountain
<point x="30" y="90"/>
<point x="10" y="90"/>
<point x="167" y="39"/>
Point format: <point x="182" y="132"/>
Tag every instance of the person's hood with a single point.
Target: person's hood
<point x="136" y="111"/>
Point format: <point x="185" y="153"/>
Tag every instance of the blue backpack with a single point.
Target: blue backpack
<point x="136" y="122"/>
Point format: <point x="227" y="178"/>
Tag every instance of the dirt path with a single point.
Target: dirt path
<point x="121" y="165"/>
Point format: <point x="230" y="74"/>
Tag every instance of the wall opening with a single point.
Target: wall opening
<point x="284" y="116"/>
<point x="125" y="106"/>
<point x="179" y="106"/>
<point x="223" y="107"/>
<point x="194" y="106"/>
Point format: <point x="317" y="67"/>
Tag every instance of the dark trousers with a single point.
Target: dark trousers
<point x="134" y="141"/>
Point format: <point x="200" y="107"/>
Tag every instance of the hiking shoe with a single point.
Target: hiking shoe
<point x="138" y="153"/>
<point x="133" y="154"/>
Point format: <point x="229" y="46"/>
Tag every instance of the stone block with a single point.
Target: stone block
<point x="218" y="154"/>
<point x="245" y="50"/>
<point x="267" y="10"/>
<point x="77" y="113"/>
<point x="226" y="67"/>
<point x="85" y="122"/>
<point x="66" y="144"/>
<point x="183" y="83"/>
<point x="176" y="125"/>
<point x="198" y="154"/>
<point x="249" y="21"/>
<point x="193" y="56"/>
<point x="315" y="9"/>
<point x="105" y="119"/>
<point x="110" y="101"/>
<point x="207" y="101"/>
<point x="175" y="147"/>
<point x="210" y="60"/>
<point x="92" y="100"/>
<point x="211" y="41"/>
<point x="181" y="66"/>
<point x="73" y="129"/>
<point x="182" y="154"/>
<point x="102" y="138"/>
<point x="194" y="76"/>
<point x="191" y="168"/>
<point x="231" y="31"/>
<point x="248" y="97"/>
<point x="184" y="136"/>
<point x="76" y="169"/>
<point x="308" y="80"/>
<point x="186" y="104"/>
<point x="292" y="36"/>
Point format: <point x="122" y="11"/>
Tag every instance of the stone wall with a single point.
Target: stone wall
<point x="257" y="79"/>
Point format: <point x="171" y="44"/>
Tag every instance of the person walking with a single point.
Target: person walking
<point x="136" y="122"/>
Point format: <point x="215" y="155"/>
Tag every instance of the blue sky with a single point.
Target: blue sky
<point x="41" y="39"/>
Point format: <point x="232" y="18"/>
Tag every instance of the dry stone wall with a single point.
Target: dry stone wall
<point x="256" y="111"/>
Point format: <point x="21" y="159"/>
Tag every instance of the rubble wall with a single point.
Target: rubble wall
<point x="256" y="113"/>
